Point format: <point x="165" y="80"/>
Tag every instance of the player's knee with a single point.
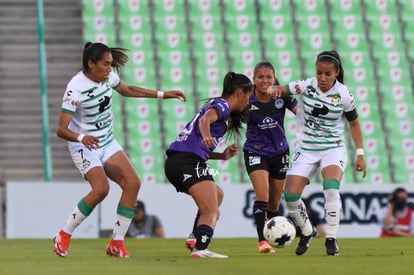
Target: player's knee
<point x="102" y="191"/>
<point x="131" y="184"/>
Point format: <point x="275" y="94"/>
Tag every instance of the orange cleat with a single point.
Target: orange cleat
<point x="265" y="247"/>
<point x="116" y="248"/>
<point x="61" y="241"/>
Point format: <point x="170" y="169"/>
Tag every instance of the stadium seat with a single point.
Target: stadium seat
<point x="98" y="21"/>
<point x="229" y="171"/>
<point x="374" y="140"/>
<point x="278" y="39"/>
<point x="103" y="7"/>
<point x="242" y="35"/>
<point x="143" y="130"/>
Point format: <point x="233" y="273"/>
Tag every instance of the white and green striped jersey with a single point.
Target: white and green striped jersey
<point x="90" y="103"/>
<point x="320" y="115"/>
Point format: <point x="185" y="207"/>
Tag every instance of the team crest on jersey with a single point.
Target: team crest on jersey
<point x="85" y="163"/>
<point x="106" y="83"/>
<point x="335" y="100"/>
<point x="279" y="103"/>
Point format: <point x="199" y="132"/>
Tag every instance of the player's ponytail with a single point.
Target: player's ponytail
<point x="232" y="81"/>
<point x="95" y="52"/>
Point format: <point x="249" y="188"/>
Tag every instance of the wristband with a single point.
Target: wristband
<point x="80" y="137"/>
<point x="360" y="152"/>
<point x="160" y="94"/>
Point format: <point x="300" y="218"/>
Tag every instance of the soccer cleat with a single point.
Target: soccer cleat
<point x="207" y="254"/>
<point x="190" y="242"/>
<point x="304" y="242"/>
<point x="264" y="247"/>
<point x="331" y="247"/>
<point x="116" y="248"/>
<point x="61" y="241"/>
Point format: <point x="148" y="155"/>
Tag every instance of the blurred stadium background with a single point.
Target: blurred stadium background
<point x="190" y="45"/>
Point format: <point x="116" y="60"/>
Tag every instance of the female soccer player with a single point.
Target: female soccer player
<point x="325" y="103"/>
<point x="266" y="150"/>
<point x="86" y="123"/>
<point x="186" y="165"/>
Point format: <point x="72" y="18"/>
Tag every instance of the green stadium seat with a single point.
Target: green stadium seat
<point x="102" y="7"/>
<point x="345" y="7"/>
<point x="313" y="31"/>
<point x="241" y="59"/>
<point x="286" y="64"/>
<point x="136" y="41"/>
<point x="200" y="7"/>
<point x="98" y="21"/>
<point x="209" y="58"/>
<point x="171" y="40"/>
<point x="228" y="172"/>
<point x="174" y="58"/>
<point x="117" y="111"/>
<point x="276" y="23"/>
<point x="143" y="130"/>
<point x="149" y="167"/>
<point x="238" y="6"/>
<point x="133" y="7"/>
<point x="374" y="139"/>
<point x="279" y="41"/>
<point x="209" y="81"/>
<point x="175" y="76"/>
<point x="383" y="22"/>
<point x="240" y="23"/>
<point x="140" y="76"/>
<point x="170" y="7"/>
<point x="242" y="35"/>
<point x="135" y="23"/>
<point x="270" y="7"/>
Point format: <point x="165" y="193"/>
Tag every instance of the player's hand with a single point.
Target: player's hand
<point x="274" y="91"/>
<point x="175" y="94"/>
<point x="230" y="151"/>
<point x="208" y="141"/>
<point x="360" y="165"/>
<point x="90" y="142"/>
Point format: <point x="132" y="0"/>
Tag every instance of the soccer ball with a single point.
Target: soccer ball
<point x="279" y="231"/>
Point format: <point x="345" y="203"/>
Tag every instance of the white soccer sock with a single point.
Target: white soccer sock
<point x="332" y="212"/>
<point x="75" y="219"/>
<point x="121" y="227"/>
<point x="297" y="212"/>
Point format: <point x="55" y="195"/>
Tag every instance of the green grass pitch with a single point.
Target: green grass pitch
<point x="169" y="256"/>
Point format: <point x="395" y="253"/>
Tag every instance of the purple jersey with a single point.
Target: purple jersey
<point x="265" y="130"/>
<point x="189" y="139"/>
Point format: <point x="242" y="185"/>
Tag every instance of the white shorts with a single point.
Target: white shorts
<point x="305" y="163"/>
<point x="86" y="159"/>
